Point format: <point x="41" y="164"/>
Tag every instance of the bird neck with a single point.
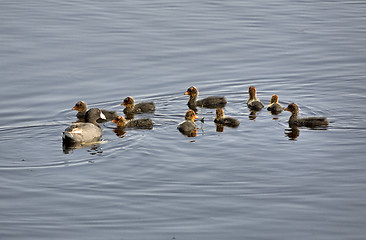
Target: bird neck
<point x="192" y="100"/>
<point x="294" y="115"/>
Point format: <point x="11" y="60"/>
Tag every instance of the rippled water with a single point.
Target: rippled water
<point x="256" y="182"/>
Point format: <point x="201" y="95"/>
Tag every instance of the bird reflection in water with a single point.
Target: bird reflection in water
<point x="94" y="148"/>
<point x="120" y="132"/>
<point x="219" y="127"/>
<point x="252" y="115"/>
<point x="292" y="133"/>
<point x="274" y="115"/>
<point x="192" y="133"/>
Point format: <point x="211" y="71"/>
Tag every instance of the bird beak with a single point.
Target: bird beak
<point x="186" y="93"/>
<point x="122" y="103"/>
<point x="74" y="108"/>
<point x="286" y="109"/>
<point x="195" y="117"/>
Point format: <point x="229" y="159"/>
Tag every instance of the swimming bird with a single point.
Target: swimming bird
<point x="306" y="122"/>
<point x="188" y="126"/>
<point x="226" y="121"/>
<point x="253" y="102"/>
<point x="121" y="122"/>
<point x="132" y="108"/>
<point x="274" y="106"/>
<point x="84" y="132"/>
<point x="208" y="102"/>
<point x="82" y="108"/>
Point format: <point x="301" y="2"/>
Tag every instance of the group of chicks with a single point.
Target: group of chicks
<point x="87" y="128"/>
<point x="188" y="127"/>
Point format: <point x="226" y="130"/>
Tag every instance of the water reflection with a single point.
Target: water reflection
<point x="95" y="148"/>
<point x="292" y="133"/>
<point x="252" y="115"/>
<point x="219" y="127"/>
<point x="274" y="115"/>
<point x="192" y="133"/>
<point x="120" y="132"/>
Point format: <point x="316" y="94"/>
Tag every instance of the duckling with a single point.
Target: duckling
<point x="188" y="126"/>
<point x="226" y="121"/>
<point x="84" y="132"/>
<point x="134" y="123"/>
<point x="253" y="102"/>
<point x="82" y="108"/>
<point x="274" y="106"/>
<point x="132" y="108"/>
<point x="209" y="102"/>
<point x="307" y="122"/>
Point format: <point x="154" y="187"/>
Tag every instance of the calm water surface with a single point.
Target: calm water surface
<point x="258" y="181"/>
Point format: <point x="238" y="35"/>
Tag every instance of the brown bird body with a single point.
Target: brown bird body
<point x="209" y="102"/>
<point x="311" y="122"/>
<point x="132" y="108"/>
<point x="82" y="108"/>
<point x="226" y="121"/>
<point x="274" y="106"/>
<point x="121" y="122"/>
<point x="188" y="126"/>
<point x="253" y="102"/>
<point x="83" y="132"/>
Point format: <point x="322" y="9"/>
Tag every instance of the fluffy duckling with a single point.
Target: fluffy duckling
<point x="253" y="102"/>
<point x="134" y="123"/>
<point x="209" y="102"/>
<point x="84" y="132"/>
<point x="132" y="108"/>
<point x="82" y="108"/>
<point x="226" y="121"/>
<point x="188" y="126"/>
<point x="274" y="106"/>
<point x="307" y="122"/>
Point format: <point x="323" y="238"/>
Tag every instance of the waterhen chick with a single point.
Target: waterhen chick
<point x="226" y="121"/>
<point x="132" y="108"/>
<point x="121" y="122"/>
<point x="274" y="106"/>
<point x="208" y="102"/>
<point x="311" y="122"/>
<point x="253" y="102"/>
<point x="82" y="108"/>
<point x="188" y="126"/>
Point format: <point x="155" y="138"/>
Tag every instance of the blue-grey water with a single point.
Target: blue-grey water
<point x="258" y="181"/>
